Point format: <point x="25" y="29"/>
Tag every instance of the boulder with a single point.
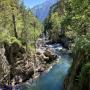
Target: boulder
<point x="44" y="57"/>
<point x="38" y="53"/>
<point x="50" y="53"/>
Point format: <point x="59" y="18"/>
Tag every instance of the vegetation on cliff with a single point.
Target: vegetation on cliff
<point x="19" y="29"/>
<point x="79" y="73"/>
<point x="68" y="23"/>
<point x="17" y="23"/>
<point x="70" y="18"/>
<point x="77" y="20"/>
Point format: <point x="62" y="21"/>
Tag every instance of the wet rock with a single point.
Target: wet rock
<point x="44" y="57"/>
<point x="49" y="53"/>
<point x="41" y="69"/>
<point x="38" y="53"/>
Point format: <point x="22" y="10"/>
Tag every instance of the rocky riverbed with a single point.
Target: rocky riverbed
<point x="54" y="77"/>
<point x="23" y="66"/>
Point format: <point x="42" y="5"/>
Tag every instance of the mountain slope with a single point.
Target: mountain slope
<point x="42" y="10"/>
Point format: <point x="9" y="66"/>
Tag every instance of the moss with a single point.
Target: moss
<point x="84" y="80"/>
<point x="12" y="40"/>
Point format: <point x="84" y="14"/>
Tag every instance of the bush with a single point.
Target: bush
<point x="84" y="81"/>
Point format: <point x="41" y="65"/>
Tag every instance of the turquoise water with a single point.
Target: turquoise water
<point x="53" y="80"/>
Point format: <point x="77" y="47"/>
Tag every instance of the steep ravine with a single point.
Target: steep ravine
<point x="58" y="77"/>
<point x="79" y="73"/>
<point x="17" y="65"/>
<point x="54" y="78"/>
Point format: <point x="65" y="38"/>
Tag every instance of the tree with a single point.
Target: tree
<point x="18" y="21"/>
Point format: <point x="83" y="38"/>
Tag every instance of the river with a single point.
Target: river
<point x="53" y="80"/>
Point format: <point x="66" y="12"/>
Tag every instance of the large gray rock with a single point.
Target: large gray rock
<point x="21" y="64"/>
<point x="20" y="61"/>
<point x="49" y="53"/>
<point x="4" y="65"/>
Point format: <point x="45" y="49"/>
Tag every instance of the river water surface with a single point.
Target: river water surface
<point x="53" y="80"/>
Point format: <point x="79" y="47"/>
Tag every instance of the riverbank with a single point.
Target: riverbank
<point x="54" y="78"/>
<point x="23" y="67"/>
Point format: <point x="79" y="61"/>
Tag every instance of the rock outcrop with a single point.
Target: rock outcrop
<point x="20" y="66"/>
<point x="4" y="65"/>
<point x="20" y="61"/>
<point x="50" y="54"/>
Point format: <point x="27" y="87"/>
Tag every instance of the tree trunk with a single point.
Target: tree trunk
<point x="14" y="25"/>
<point x="62" y="31"/>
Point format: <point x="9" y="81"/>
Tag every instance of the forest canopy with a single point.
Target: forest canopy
<point x="17" y="23"/>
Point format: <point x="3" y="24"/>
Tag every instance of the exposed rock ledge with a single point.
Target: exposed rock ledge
<point x="20" y="65"/>
<point x="4" y="65"/>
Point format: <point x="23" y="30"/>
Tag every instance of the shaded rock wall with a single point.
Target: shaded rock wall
<point x="76" y="79"/>
<point x="4" y="65"/>
<point x="20" y="61"/>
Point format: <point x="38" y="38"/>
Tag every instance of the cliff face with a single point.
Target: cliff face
<point x="79" y="74"/>
<point x="4" y="65"/>
<point x="15" y="64"/>
<point x="21" y="66"/>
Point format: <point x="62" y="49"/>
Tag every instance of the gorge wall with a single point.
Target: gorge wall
<point x="4" y="65"/>
<point x="79" y="74"/>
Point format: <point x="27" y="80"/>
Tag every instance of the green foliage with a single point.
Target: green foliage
<point x="26" y="26"/>
<point x="5" y="37"/>
<point x="52" y="26"/>
<point x="85" y="72"/>
<point x="83" y="42"/>
<point x="55" y="31"/>
<point x="77" y="16"/>
<point x="84" y="77"/>
<point x="70" y="17"/>
<point x="74" y="20"/>
<point x="14" y="40"/>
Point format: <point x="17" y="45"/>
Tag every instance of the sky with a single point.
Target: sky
<point x="32" y="3"/>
